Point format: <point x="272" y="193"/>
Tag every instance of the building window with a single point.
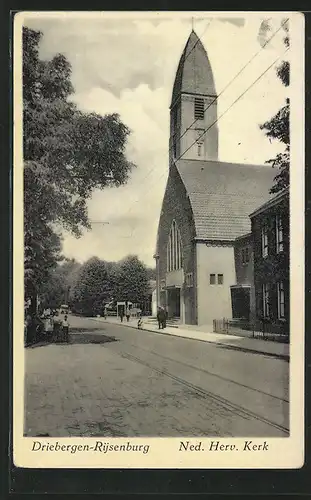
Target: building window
<point x="279" y="234"/>
<point x="220" y="279"/>
<point x="265" y="300"/>
<point x="245" y="255"/>
<point x="212" y="279"/>
<point x="199" y="108"/>
<point x="264" y="241"/>
<point x="200" y="141"/>
<point x="281" y="300"/>
<point x="174" y="252"/>
<point x="189" y="280"/>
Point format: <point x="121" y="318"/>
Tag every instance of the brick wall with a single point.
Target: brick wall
<point x="177" y="206"/>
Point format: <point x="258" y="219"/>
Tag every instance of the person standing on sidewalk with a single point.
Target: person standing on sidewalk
<point x="164" y="317"/>
<point x="66" y="328"/>
<point x="121" y="314"/>
<point x="159" y="317"/>
<point x="57" y="324"/>
<point x="140" y="321"/>
<point x="127" y="314"/>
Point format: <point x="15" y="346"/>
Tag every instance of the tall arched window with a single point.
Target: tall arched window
<point x="174" y="250"/>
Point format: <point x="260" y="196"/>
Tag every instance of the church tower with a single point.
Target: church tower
<point x="194" y="99"/>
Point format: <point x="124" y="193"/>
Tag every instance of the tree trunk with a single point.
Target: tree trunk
<point x="32" y="311"/>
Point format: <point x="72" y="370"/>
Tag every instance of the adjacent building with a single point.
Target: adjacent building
<point x="206" y="204"/>
<point x="270" y="230"/>
<point x="261" y="293"/>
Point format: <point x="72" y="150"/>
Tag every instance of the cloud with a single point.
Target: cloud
<point x="128" y="66"/>
<point x="237" y="21"/>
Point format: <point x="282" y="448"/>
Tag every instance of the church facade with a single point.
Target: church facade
<point x="206" y="204"/>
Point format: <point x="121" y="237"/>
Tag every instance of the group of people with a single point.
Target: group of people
<point x="161" y="317"/>
<point x="126" y="313"/>
<point x="49" y="325"/>
<point x="58" y="326"/>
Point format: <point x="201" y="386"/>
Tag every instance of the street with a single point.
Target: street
<point x="117" y="381"/>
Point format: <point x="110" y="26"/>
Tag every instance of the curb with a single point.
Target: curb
<point x="284" y="357"/>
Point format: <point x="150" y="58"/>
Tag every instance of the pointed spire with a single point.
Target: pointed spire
<point x="194" y="74"/>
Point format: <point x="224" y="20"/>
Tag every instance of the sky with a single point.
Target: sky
<point x="127" y="64"/>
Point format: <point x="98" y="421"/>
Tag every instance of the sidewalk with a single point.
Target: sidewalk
<point x="275" y="349"/>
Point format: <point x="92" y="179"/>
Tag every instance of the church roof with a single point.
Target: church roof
<point x="222" y="195"/>
<point x="194" y="74"/>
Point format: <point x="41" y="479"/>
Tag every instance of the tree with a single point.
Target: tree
<point x="93" y="287"/>
<point x="67" y="154"/>
<point x="133" y="280"/>
<point x="99" y="282"/>
<point x="56" y="289"/>
<point x="40" y="258"/>
<point x="152" y="273"/>
<point x="278" y="128"/>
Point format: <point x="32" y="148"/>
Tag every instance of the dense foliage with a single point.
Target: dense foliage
<point x="278" y="128"/>
<point x="56" y="290"/>
<point x="67" y="154"/>
<point x="88" y="287"/>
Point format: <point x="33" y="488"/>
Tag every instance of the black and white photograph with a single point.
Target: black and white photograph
<point x="158" y="248"/>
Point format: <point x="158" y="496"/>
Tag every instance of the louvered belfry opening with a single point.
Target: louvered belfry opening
<point x="199" y="108"/>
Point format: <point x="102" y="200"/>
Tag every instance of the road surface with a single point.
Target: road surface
<point x="117" y="381"/>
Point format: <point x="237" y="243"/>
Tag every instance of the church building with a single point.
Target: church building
<point x="206" y="204"/>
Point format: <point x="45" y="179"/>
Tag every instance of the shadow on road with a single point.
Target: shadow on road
<point x="77" y="338"/>
<point x="88" y="329"/>
<point x="90" y="338"/>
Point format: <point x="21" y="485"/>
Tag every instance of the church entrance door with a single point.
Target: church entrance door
<point x="173" y="297"/>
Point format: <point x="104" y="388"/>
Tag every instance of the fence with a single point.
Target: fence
<point x="258" y="329"/>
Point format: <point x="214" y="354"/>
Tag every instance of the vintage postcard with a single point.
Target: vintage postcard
<point x="158" y="240"/>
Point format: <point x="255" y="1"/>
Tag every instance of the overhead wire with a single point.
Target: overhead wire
<point x="225" y="112"/>
<point x="216" y="98"/>
<point x="224" y="89"/>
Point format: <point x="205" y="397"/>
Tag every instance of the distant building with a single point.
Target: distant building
<point x="206" y="204"/>
<point x="270" y="230"/>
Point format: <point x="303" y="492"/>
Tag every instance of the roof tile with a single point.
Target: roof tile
<point x="222" y="195"/>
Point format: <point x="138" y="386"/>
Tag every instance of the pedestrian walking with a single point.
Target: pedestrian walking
<point x="121" y="314"/>
<point x="140" y="321"/>
<point x="105" y="313"/>
<point x="127" y="314"/>
<point x="66" y="328"/>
